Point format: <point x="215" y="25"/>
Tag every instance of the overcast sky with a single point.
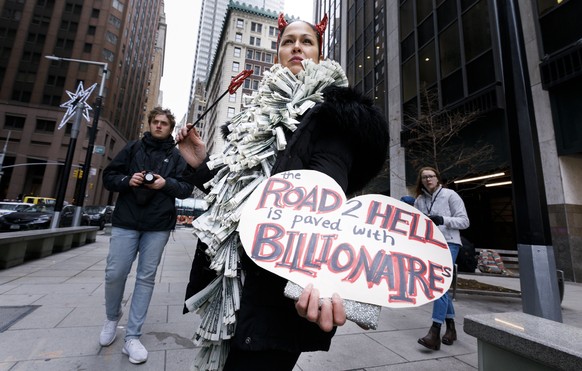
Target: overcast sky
<point x="182" y="19"/>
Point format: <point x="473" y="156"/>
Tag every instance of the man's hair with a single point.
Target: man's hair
<point x="162" y="111"/>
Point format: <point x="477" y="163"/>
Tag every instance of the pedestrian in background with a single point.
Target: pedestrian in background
<point x="148" y="174"/>
<point x="447" y="210"/>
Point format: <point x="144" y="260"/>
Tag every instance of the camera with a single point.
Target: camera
<point x="149" y="177"/>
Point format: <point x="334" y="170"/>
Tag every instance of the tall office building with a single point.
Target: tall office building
<point x="120" y="33"/>
<point x="393" y="50"/>
<point x="211" y="22"/>
<point x="154" y="96"/>
<point x="248" y="41"/>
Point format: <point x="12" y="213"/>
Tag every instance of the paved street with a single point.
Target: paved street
<point x="62" y="333"/>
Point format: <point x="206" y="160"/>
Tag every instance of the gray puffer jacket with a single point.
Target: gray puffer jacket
<point x="448" y="204"/>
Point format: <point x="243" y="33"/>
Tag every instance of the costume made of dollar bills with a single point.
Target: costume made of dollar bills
<point x="306" y="121"/>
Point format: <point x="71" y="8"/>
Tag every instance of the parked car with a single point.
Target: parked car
<point x="39" y="216"/>
<point x="10" y="207"/>
<point x="99" y="214"/>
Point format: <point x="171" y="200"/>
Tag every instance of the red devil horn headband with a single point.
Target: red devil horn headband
<point x="320" y="27"/>
<point x="282" y="22"/>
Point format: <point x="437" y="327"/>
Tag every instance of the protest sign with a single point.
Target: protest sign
<point x="372" y="248"/>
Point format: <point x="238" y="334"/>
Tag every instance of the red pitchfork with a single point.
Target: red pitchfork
<point x="235" y="83"/>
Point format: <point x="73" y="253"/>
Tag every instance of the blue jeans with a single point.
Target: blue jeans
<point x="124" y="246"/>
<point x="443" y="307"/>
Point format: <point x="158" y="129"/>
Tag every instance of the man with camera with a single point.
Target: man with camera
<point x="149" y="176"/>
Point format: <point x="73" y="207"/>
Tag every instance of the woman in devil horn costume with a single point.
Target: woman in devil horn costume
<point x="317" y="123"/>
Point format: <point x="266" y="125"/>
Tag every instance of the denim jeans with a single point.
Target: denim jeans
<point x="125" y="245"/>
<point x="443" y="307"/>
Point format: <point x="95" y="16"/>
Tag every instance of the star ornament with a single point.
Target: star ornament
<point x="78" y="97"/>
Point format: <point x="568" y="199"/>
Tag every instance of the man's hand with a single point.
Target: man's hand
<point x="331" y="313"/>
<point x="191" y="146"/>
<point x="136" y="180"/>
<point x="158" y="183"/>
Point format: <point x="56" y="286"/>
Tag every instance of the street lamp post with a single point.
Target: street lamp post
<point x="68" y="161"/>
<point x="80" y="196"/>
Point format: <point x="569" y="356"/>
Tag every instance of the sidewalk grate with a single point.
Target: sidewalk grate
<point x="11" y="315"/>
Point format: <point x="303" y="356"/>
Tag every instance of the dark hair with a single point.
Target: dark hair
<point x="419" y="186"/>
<point x="162" y="111"/>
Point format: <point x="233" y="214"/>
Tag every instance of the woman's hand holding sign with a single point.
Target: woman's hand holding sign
<point x="331" y="312"/>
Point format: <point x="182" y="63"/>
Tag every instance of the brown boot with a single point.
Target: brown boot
<point x="432" y="340"/>
<point x="450" y="334"/>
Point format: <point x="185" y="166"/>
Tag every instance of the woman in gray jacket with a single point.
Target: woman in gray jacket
<point x="447" y="210"/>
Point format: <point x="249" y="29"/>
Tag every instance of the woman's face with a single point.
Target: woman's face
<point x="297" y="43"/>
<point x="429" y="180"/>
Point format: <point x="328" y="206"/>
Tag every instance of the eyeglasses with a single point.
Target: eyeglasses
<point x="427" y="177"/>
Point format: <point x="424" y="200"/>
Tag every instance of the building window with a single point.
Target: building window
<point x="53" y="80"/>
<point x="450" y="52"/>
<point x="73" y="8"/>
<point x="274" y="45"/>
<point x="268" y="57"/>
<point x="87" y="48"/>
<point x="250" y="53"/>
<point x="236" y="52"/>
<point x="91" y="30"/>
<point x="34" y="38"/>
<point x="11" y="14"/>
<point x="238" y="37"/>
<point x="51" y="100"/>
<point x="235" y="66"/>
<point x="64" y="43"/>
<point x="248" y="66"/>
<point x="240" y="23"/>
<point x="255" y="84"/>
<point x="247" y="84"/>
<point x="257" y="70"/>
<point x="45" y="126"/>
<point x="230" y="112"/>
<point x="113" y="20"/>
<point x="258" y="55"/>
<point x="21" y="95"/>
<point x="273" y="31"/>
<point x="111" y="37"/>
<point x="255" y="41"/>
<point x="69" y="26"/>
<point x="256" y="27"/>
<point x="30" y="57"/>
<point x="108" y="55"/>
<point x="476" y="32"/>
<point x="118" y="5"/>
<point x="14" y="122"/>
<point x="45" y="3"/>
<point x="232" y="97"/>
<point x="95" y="13"/>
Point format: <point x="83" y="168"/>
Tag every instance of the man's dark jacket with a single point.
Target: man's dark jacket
<point x="345" y="137"/>
<point x="140" y="208"/>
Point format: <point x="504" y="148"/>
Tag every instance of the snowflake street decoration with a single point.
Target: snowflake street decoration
<point x="79" y="97"/>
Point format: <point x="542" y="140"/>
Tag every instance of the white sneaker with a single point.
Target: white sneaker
<point x="135" y="350"/>
<point x="109" y="331"/>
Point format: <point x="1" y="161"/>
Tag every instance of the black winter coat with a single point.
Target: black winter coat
<point x="140" y="208"/>
<point x="345" y="137"/>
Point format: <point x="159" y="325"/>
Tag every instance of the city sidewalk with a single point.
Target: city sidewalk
<point x="62" y="333"/>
